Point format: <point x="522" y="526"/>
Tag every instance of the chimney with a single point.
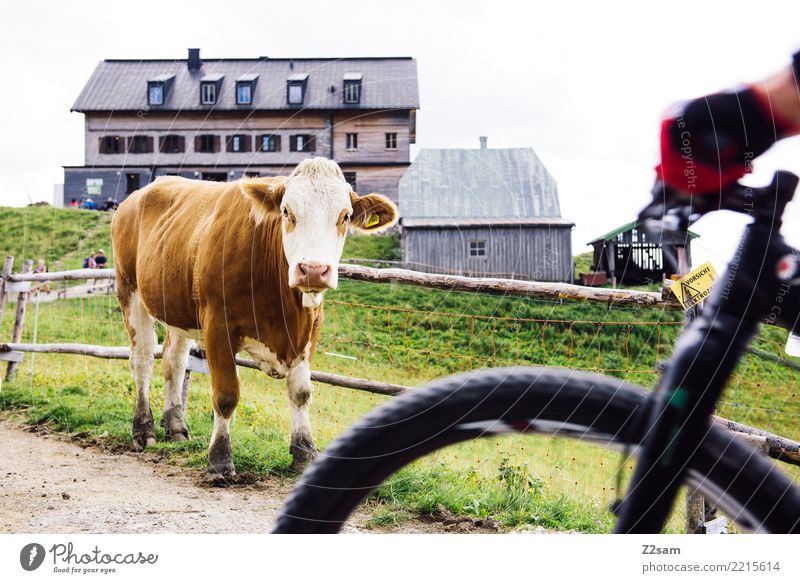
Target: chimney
<point x="193" y="62"/>
<point x="483" y="140"/>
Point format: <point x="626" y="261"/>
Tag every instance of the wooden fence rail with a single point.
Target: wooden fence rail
<point x="123" y="352"/>
<point x="489" y="285"/>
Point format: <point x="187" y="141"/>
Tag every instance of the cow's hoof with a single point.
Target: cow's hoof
<point x="220" y="462"/>
<point x="144" y="431"/>
<point x="220" y="475"/>
<point x="174" y="426"/>
<point x="303" y="453"/>
<point x="140" y="442"/>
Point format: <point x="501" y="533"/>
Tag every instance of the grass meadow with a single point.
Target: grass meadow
<point x="398" y="334"/>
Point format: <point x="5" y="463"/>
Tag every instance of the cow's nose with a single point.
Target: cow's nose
<point x="314" y="276"/>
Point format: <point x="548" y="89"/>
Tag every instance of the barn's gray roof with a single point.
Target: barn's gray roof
<point x="459" y="223"/>
<point x="482" y="183"/>
<point x="387" y="83"/>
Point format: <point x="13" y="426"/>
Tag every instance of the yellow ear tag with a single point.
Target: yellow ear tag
<point x="373" y="220"/>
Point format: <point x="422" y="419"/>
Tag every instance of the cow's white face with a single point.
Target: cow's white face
<point x="317" y="208"/>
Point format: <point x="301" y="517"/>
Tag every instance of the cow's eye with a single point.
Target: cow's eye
<point x="285" y="213"/>
<point x="346" y="218"/>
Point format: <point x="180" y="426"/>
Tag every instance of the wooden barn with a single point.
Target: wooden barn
<point x="484" y="212"/>
<point x="629" y="256"/>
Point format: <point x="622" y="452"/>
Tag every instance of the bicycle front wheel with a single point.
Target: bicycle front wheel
<point x="562" y="402"/>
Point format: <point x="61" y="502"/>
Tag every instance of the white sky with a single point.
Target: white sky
<point x="582" y="83"/>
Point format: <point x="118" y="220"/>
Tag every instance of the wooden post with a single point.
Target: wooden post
<point x="22" y="301"/>
<point x="7" y="266"/>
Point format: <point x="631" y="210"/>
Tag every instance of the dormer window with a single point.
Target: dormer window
<point x="244" y="93"/>
<point x="352" y="88"/>
<point x="296" y="89"/>
<point x="210" y="86"/>
<point x="157" y="89"/>
<point x="244" y="89"/>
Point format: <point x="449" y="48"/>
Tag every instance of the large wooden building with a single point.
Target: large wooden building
<point x="484" y="212"/>
<point x="220" y="119"/>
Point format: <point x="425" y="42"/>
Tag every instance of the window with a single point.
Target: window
<point x="206" y="143"/>
<point x="248" y="174"/>
<point x="244" y="92"/>
<point x="391" y="141"/>
<point x="208" y="93"/>
<point x="269" y="143"/>
<point x="295" y="96"/>
<point x="239" y="143"/>
<point x="350" y="178"/>
<point x="477" y="248"/>
<point x="352" y="141"/>
<point x="158" y="88"/>
<point x="216" y="176"/>
<point x="111" y="145"/>
<point x="155" y="94"/>
<point x="352" y="91"/>
<point x="140" y="145"/>
<point x="171" y="144"/>
<point x="302" y="143"/>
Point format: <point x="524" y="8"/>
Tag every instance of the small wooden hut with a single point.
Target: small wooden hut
<point x="630" y="256"/>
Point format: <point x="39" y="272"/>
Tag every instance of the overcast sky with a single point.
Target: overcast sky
<point x="582" y="83"/>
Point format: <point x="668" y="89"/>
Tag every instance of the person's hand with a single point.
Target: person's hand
<point x="709" y="143"/>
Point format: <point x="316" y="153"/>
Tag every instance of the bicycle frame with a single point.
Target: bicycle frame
<point x="760" y="284"/>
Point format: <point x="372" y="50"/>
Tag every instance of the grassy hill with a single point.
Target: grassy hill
<point x="62" y="237"/>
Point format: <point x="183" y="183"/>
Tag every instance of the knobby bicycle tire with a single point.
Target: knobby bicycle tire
<point x="743" y="484"/>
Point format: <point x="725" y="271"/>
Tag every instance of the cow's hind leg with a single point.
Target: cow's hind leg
<point x="176" y="355"/>
<point x="298" y="384"/>
<point x="225" y="397"/>
<point x="141" y="328"/>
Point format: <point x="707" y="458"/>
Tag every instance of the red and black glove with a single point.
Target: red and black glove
<point x="709" y="143"/>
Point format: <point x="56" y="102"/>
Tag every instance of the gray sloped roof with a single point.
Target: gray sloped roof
<point x="481" y="183"/>
<point x="387" y="83"/>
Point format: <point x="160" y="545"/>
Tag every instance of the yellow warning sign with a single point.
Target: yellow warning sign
<point x="695" y="286"/>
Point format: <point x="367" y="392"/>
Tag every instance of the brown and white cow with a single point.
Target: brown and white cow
<point x="235" y="266"/>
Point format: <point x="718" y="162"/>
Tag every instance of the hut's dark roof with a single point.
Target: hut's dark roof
<point x="482" y="183"/>
<point x="387" y="83"/>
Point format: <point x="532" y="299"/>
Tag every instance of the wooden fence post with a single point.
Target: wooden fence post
<point x="22" y="301"/>
<point x="7" y="266"/>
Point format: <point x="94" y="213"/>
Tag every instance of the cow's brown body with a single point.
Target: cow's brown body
<point x="198" y="262"/>
<point x="234" y="266"/>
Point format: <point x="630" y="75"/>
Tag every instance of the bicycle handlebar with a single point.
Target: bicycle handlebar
<point x="671" y="209"/>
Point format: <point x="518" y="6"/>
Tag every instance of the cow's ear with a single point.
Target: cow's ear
<point x="372" y="213"/>
<point x="264" y="194"/>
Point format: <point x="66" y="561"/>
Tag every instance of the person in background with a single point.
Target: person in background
<point x="74" y="203"/>
<point x="100" y="259"/>
<point x="41" y="267"/>
<point x="100" y="262"/>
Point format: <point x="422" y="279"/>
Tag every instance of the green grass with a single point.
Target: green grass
<point x="62" y="237"/>
<point x="404" y="335"/>
<point x="385" y="247"/>
<point x="583" y="263"/>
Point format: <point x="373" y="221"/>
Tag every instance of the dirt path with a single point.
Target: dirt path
<point x="51" y="485"/>
<point x="54" y="486"/>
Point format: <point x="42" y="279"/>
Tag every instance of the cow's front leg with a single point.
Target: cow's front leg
<point x="302" y="448"/>
<point x="225" y="396"/>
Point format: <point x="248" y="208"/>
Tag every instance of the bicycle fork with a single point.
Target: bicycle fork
<point x="704" y="358"/>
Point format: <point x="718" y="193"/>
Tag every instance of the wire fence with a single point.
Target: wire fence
<point x="396" y="338"/>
